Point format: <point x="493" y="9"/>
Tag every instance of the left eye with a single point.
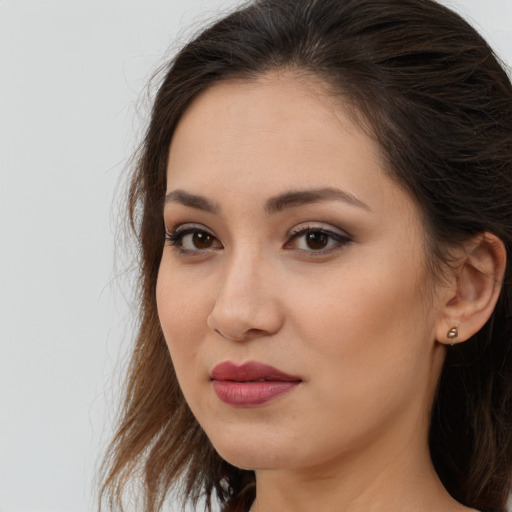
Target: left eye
<point x="315" y="239"/>
<point x="193" y="240"/>
<point x="197" y="240"/>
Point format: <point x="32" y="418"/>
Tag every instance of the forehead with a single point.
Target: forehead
<point x="264" y="136"/>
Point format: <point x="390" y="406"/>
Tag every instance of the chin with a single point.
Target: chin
<point x="256" y="455"/>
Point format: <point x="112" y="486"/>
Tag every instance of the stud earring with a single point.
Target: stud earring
<point x="452" y="334"/>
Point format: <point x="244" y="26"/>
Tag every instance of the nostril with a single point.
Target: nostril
<point x="243" y="319"/>
<point x="241" y="336"/>
<point x="255" y="332"/>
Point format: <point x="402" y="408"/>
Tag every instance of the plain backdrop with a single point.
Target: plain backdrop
<point x="73" y="98"/>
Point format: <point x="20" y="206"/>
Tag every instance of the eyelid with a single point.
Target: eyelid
<point x="187" y="226"/>
<point x="318" y="226"/>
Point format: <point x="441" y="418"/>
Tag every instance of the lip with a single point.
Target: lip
<point x="250" y="384"/>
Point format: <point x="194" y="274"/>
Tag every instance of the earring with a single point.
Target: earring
<point x="453" y="334"/>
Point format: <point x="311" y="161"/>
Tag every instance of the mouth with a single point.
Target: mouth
<point x="250" y="384"/>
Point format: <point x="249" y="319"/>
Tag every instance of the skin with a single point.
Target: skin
<point x="357" y="321"/>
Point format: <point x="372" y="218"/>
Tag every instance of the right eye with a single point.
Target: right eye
<point x="192" y="239"/>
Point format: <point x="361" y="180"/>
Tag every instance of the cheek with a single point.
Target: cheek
<point x="182" y="311"/>
<point x="363" y="304"/>
<point x="366" y="343"/>
<point x="373" y="324"/>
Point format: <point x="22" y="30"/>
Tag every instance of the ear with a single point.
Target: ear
<point x="475" y="285"/>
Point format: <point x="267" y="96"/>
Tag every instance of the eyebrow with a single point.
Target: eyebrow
<point x="293" y="199"/>
<point x="276" y="204"/>
<point x="192" y="201"/>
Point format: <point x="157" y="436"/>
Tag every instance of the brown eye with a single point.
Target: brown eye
<point x="316" y="240"/>
<point x="193" y="240"/>
<point x="202" y="240"/>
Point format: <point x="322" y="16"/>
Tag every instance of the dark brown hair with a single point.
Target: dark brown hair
<point x="433" y="94"/>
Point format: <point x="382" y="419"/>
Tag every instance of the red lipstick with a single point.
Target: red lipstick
<point x="250" y="384"/>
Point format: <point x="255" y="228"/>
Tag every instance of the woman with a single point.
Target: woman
<point x="323" y="204"/>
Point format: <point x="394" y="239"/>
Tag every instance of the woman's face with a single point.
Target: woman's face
<point x="293" y="291"/>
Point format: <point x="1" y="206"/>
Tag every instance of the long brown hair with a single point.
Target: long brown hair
<point x="433" y="94"/>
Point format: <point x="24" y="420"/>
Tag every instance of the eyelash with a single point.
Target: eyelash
<point x="175" y="239"/>
<point x="340" y="238"/>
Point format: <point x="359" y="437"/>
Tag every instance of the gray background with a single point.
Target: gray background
<point x="73" y="77"/>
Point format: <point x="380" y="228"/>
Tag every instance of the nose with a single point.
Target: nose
<point x="246" y="304"/>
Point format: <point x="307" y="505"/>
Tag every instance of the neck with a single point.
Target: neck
<point x="376" y="479"/>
